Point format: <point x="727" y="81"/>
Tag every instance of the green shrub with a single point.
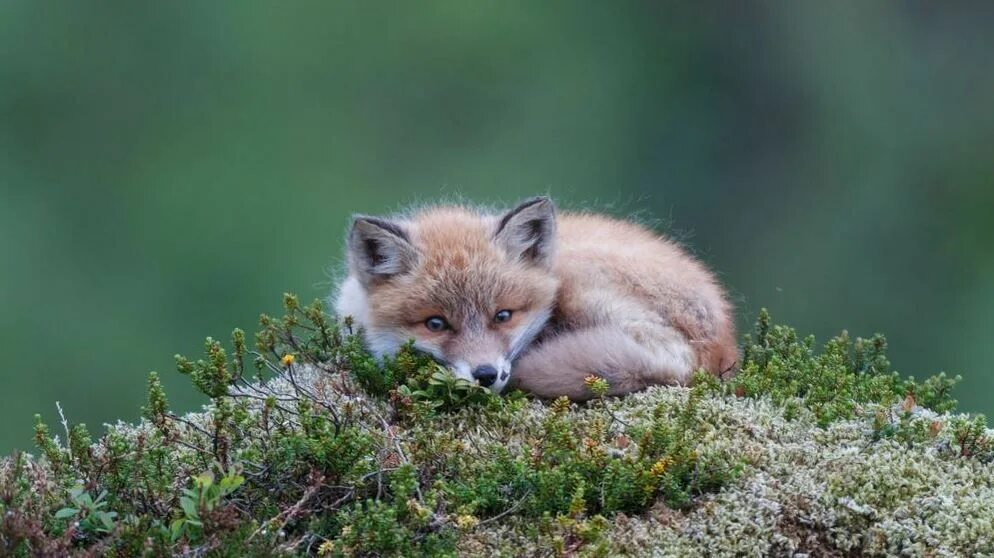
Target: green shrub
<point x="835" y="383"/>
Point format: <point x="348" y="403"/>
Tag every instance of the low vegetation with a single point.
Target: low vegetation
<point x="309" y="446"/>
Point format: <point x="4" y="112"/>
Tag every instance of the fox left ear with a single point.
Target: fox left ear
<point x="528" y="231"/>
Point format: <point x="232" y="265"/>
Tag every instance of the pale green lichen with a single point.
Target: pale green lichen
<point x="806" y="489"/>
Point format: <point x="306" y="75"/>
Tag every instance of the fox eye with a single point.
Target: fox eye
<point x="436" y="324"/>
<point x="502" y="316"/>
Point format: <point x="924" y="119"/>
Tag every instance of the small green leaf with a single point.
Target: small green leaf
<point x="189" y="507"/>
<point x="176" y="529"/>
<point x="66" y="513"/>
<point x="107" y="518"/>
<point x="204" y="480"/>
<point x="230" y="483"/>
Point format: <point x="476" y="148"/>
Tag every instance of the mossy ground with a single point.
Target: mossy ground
<point x="309" y="446"/>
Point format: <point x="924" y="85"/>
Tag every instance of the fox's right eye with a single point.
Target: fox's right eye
<point x="436" y="324"/>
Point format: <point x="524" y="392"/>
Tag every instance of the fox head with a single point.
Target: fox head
<point x="471" y="290"/>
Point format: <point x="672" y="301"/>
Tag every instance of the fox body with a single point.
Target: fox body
<point x="536" y="300"/>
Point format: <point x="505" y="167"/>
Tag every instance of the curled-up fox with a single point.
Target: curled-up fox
<point x="537" y="300"/>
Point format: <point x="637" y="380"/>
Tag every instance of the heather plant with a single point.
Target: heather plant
<point x="310" y="446"/>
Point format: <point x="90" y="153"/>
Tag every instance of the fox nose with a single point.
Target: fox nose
<point x="486" y="375"/>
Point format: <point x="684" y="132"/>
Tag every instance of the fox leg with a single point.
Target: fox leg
<point x="629" y="358"/>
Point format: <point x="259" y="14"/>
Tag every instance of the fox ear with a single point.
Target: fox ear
<point x="379" y="249"/>
<point x="528" y="231"/>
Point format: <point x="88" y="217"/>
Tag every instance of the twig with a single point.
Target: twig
<point x="506" y="512"/>
<point x="190" y="424"/>
<point x="285" y="516"/>
<point x="65" y="423"/>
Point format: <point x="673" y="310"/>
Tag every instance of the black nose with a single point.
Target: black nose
<point x="486" y="375"/>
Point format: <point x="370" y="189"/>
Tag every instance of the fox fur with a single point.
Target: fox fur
<point x="583" y="294"/>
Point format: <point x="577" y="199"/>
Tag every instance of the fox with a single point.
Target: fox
<point x="536" y="299"/>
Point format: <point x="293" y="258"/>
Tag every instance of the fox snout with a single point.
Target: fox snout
<point x="486" y="375"/>
<point x="493" y="376"/>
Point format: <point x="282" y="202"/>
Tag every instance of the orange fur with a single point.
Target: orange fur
<point x="588" y="294"/>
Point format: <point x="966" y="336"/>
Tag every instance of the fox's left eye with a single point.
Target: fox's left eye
<point x="436" y="324"/>
<point x="502" y="316"/>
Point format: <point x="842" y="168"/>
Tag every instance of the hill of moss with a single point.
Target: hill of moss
<point x="309" y="446"/>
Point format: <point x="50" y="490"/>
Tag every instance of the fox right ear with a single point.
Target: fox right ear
<point x="379" y="249"/>
<point x="528" y="231"/>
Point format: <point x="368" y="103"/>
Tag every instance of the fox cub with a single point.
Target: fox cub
<point x="535" y="300"/>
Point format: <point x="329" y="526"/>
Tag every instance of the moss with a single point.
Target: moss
<point x="323" y="450"/>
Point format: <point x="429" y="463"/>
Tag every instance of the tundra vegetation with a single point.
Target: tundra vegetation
<point x="309" y="446"/>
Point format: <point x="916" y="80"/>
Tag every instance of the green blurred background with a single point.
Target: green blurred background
<point x="167" y="170"/>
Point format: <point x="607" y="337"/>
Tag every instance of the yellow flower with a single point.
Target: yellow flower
<point x="326" y="548"/>
<point x="287" y="360"/>
<point x="659" y="467"/>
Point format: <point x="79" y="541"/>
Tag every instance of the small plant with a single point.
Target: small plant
<point x="972" y="438"/>
<point x="442" y="391"/>
<point x="201" y="503"/>
<point x="89" y="513"/>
